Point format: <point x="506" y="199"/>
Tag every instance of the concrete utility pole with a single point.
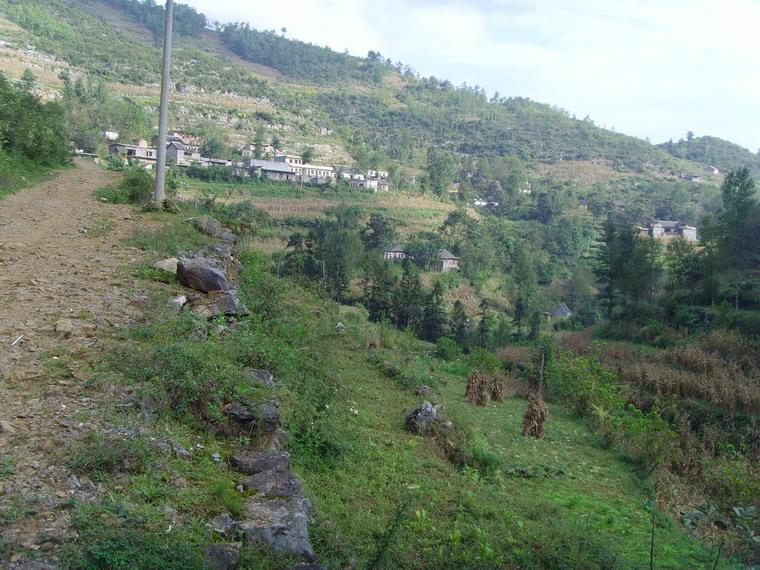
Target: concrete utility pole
<point x="159" y="195"/>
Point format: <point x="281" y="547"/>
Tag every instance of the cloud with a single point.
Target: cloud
<point x="650" y="68"/>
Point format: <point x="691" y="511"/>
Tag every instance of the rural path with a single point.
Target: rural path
<point x="62" y="277"/>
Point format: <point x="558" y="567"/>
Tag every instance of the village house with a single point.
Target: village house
<point x="271" y="169"/>
<point x="314" y="171"/>
<point x="291" y="159"/>
<point x="667" y="230"/>
<point x="249" y="150"/>
<point x="448" y="261"/>
<point x="712" y="170"/>
<point x="111" y="135"/>
<point x="182" y="154"/>
<point x="140" y="151"/>
<point x="395" y="251"/>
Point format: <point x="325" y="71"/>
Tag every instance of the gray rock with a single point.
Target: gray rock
<point x="201" y="275"/>
<point x="208" y="226"/>
<point x="421" y="419"/>
<point x="269" y="416"/>
<point x="253" y="462"/>
<point x="216" y="457"/>
<point x="222" y="556"/>
<point x="178" y="302"/>
<point x="169" y="265"/>
<point x="180" y="451"/>
<point x="239" y="413"/>
<point x="274" y="441"/>
<point x="224" y="525"/>
<point x="340" y="328"/>
<point x="218" y="303"/>
<point x="283" y="524"/>
<point x="263" y="377"/>
<point x="273" y="483"/>
<point x="423" y="390"/>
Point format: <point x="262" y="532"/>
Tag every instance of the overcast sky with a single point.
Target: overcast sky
<point x="649" y="68"/>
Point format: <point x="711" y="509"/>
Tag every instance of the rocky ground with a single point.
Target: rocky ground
<point x="62" y="278"/>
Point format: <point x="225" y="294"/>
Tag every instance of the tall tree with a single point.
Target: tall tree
<point x="736" y="222"/>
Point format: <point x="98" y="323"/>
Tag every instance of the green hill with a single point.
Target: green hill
<point x="712" y="151"/>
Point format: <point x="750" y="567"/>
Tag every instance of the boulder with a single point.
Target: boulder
<point x="423" y="390"/>
<point x="224" y="525"/>
<point x="218" y="303"/>
<point x="222" y="556"/>
<point x="421" y="419"/>
<point x="281" y="523"/>
<point x="177" y="303"/>
<point x="239" y="413"/>
<point x="273" y="483"/>
<point x="253" y="462"/>
<point x="265" y="416"/>
<point x="202" y="275"/>
<point x="169" y="265"/>
<point x="208" y="226"/>
<point x="269" y="416"/>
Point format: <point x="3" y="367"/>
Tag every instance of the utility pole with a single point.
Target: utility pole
<point x="163" y="117"/>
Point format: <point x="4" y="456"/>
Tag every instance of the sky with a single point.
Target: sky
<point x="649" y="68"/>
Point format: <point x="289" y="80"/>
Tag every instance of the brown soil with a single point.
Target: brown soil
<point x="62" y="278"/>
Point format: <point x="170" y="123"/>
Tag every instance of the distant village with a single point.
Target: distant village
<point x="181" y="152"/>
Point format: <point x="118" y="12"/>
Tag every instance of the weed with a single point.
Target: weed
<point x="98" y="455"/>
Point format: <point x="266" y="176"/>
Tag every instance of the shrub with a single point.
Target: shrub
<point x="447" y="349"/>
<point x="98" y="455"/>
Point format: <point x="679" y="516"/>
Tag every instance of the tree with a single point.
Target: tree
<point x="378" y="234"/>
<point x="408" y="298"/>
<point x="440" y="170"/>
<point x="431" y="326"/>
<point x="28" y="80"/>
<point x="258" y="143"/>
<point x="459" y="323"/>
<point x="737" y="243"/>
<point x="307" y="154"/>
<point x="379" y="285"/>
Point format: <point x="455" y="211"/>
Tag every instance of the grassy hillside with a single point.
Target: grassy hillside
<point x="482" y="496"/>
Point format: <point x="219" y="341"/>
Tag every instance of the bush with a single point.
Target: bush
<point x="137" y="184"/>
<point x="98" y="456"/>
<point x="447" y="349"/>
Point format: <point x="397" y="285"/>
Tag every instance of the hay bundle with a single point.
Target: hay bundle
<point x="478" y="390"/>
<point x="534" y="420"/>
<point x="498" y="389"/>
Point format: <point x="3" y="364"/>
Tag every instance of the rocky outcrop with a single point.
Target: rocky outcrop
<point x="422" y="419"/>
<point x="222" y="556"/>
<point x="218" y="303"/>
<point x="252" y="463"/>
<point x="277" y="513"/>
<point x="202" y="275"/>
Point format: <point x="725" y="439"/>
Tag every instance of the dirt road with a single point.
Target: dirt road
<point x="62" y="277"/>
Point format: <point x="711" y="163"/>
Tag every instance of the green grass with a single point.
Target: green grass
<point x="17" y="173"/>
<point x="383" y="498"/>
<point x="172" y="237"/>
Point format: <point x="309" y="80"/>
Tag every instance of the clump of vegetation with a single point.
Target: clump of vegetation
<point x="32" y="135"/>
<point x="135" y="187"/>
<point x="98" y="455"/>
<point x="536" y="415"/>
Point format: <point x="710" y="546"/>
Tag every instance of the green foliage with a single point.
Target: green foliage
<point x="135" y="187"/>
<point x="114" y="536"/>
<point x="298" y="59"/>
<point x="98" y="456"/>
<point x="30" y="129"/>
<point x="713" y="151"/>
<point x="187" y="22"/>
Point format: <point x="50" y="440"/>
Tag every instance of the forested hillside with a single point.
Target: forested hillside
<point x="713" y="151"/>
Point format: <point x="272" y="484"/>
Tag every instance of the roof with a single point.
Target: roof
<point x="668" y="223"/>
<point x="395" y="248"/>
<point x="272" y="166"/>
<point x="561" y="310"/>
<point x="446" y="254"/>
